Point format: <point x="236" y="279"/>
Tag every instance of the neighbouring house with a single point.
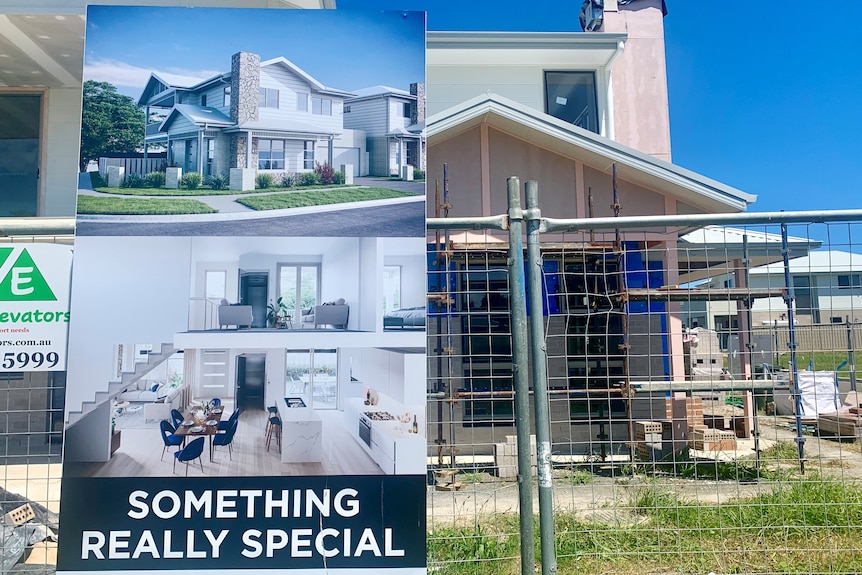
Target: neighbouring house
<point x="264" y="116"/>
<point x="563" y="109"/>
<point x="393" y="121"/>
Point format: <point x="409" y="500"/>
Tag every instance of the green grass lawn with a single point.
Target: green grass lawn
<point x="141" y="206"/>
<point x="204" y="191"/>
<point x="803" y="525"/>
<point x="302" y="199"/>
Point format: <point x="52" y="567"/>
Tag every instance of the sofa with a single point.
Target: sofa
<point x="157" y="396"/>
<point x="234" y="314"/>
<point x="334" y="313"/>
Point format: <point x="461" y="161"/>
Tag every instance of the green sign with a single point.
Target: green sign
<point x="22" y="281"/>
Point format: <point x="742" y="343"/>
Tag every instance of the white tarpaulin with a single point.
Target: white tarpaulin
<point x="819" y="391"/>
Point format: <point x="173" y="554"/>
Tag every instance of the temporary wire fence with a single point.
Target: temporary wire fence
<point x="682" y="389"/>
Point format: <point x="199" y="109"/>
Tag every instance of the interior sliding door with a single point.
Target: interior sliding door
<point x="299" y="288"/>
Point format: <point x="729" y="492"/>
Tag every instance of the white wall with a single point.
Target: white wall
<point x="62" y="140"/>
<point x="124" y="289"/>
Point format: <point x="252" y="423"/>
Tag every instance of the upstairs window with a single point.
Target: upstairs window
<point x="268" y="98"/>
<point x="571" y="96"/>
<point x="346" y="109"/>
<point x="321" y="106"/>
<point x="302" y="101"/>
<point x="407" y="109"/>
<point x="203" y="99"/>
<point x="849" y="281"/>
<point x="227" y="97"/>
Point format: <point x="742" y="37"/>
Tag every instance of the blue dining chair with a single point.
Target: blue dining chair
<point x="190" y="452"/>
<point x="226" y="438"/>
<point x="176" y="418"/>
<point x="215" y="402"/>
<point x="168" y="436"/>
<point x="223" y="425"/>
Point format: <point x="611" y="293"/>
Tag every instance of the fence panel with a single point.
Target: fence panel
<point x="676" y="411"/>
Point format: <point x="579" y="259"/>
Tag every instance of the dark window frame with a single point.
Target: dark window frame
<point x="585" y="124"/>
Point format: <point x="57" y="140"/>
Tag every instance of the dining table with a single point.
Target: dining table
<point x="200" y="422"/>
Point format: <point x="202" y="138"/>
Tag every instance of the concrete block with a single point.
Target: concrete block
<point x="172" y="178"/>
<point x="242" y="179"/>
<point x="647" y="426"/>
<point x="348" y="173"/>
<point x="116" y="176"/>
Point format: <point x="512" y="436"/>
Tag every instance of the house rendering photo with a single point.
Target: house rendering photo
<point x="285" y="356"/>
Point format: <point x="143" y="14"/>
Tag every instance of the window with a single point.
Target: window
<point x="203" y="99"/>
<point x="270" y="154"/>
<point x="321" y="106"/>
<point x="215" y="282"/>
<point x="268" y="98"/>
<point x="308" y="155"/>
<point x="849" y="281"/>
<point x="571" y="96"/>
<point x="227" y="97"/>
<point x="299" y="288"/>
<point x="20" y="119"/>
<point x="346" y="109"/>
<point x="406" y="112"/>
<point x="391" y="288"/>
<point x="210" y="156"/>
<point x="302" y="101"/>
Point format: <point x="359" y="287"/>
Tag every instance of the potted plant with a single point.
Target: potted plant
<point x="276" y="312"/>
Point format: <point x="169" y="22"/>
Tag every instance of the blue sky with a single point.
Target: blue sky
<point x="764" y="96"/>
<point x="125" y="43"/>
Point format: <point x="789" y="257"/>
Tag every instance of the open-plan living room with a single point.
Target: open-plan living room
<point x="202" y="359"/>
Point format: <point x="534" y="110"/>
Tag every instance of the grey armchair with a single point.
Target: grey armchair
<point x="334" y="313"/>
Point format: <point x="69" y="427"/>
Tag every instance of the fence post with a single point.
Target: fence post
<point x="540" y="381"/>
<point x="794" y="372"/>
<point x="518" y="311"/>
<point x="851" y="353"/>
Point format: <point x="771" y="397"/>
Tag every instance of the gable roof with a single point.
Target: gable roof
<point x="282" y="61"/>
<point x="197" y="115"/>
<point x="172" y="82"/>
<point x="381" y="90"/>
<point x="597" y="151"/>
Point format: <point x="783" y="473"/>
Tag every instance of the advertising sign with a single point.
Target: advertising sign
<point x="34" y="306"/>
<point x="246" y="387"/>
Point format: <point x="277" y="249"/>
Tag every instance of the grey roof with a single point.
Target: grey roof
<point x="380" y="90"/>
<point x="197" y="115"/>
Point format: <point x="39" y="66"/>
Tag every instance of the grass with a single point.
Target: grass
<point x="203" y="191"/>
<point x="141" y="206"/>
<point x="302" y="199"/>
<point x="802" y="525"/>
<point x="823" y="361"/>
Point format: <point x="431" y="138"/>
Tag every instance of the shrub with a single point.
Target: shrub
<point x="339" y="178"/>
<point x="309" y="179"/>
<point x="418" y="174"/>
<point x="191" y="180"/>
<point x="134" y="181"/>
<point x="264" y="181"/>
<point x="97" y="180"/>
<point x="218" y="182"/>
<point x="156" y="180"/>
<point x="288" y="180"/>
<point x="326" y="172"/>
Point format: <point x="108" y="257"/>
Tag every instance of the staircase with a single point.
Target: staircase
<point x="116" y="387"/>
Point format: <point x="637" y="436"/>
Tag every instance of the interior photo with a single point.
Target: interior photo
<point x="248" y="356"/>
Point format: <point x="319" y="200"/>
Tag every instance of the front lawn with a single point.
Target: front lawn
<point x="140" y="206"/>
<point x="205" y="190"/>
<point x="302" y="199"/>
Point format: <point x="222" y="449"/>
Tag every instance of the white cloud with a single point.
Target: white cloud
<point x="121" y="74"/>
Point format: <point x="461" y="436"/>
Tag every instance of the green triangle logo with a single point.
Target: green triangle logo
<point x="24" y="281"/>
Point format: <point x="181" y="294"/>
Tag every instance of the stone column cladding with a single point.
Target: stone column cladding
<point x="244" y="87"/>
<point x="417" y="111"/>
<point x="237" y="151"/>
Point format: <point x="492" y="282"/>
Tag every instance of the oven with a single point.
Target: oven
<point x="365" y="430"/>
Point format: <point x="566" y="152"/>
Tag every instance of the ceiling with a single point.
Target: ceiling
<point x="41" y="50"/>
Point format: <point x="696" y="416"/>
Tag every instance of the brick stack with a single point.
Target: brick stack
<point x="652" y="443"/>
<point x="506" y="457"/>
<point x="706" y="439"/>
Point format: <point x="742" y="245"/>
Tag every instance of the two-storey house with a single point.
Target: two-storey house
<point x="567" y="110"/>
<point x="268" y="116"/>
<point x="393" y="121"/>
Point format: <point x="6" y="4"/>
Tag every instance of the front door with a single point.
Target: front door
<point x="20" y="124"/>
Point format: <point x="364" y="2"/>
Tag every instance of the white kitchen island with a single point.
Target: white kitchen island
<point x="301" y="432"/>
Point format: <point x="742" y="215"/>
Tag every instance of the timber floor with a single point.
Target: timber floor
<point x="140" y="454"/>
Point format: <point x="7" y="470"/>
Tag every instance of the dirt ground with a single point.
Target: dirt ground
<point x="605" y="493"/>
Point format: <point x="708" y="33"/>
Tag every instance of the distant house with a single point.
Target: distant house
<point x="265" y="115"/>
<point x="393" y="121"/>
